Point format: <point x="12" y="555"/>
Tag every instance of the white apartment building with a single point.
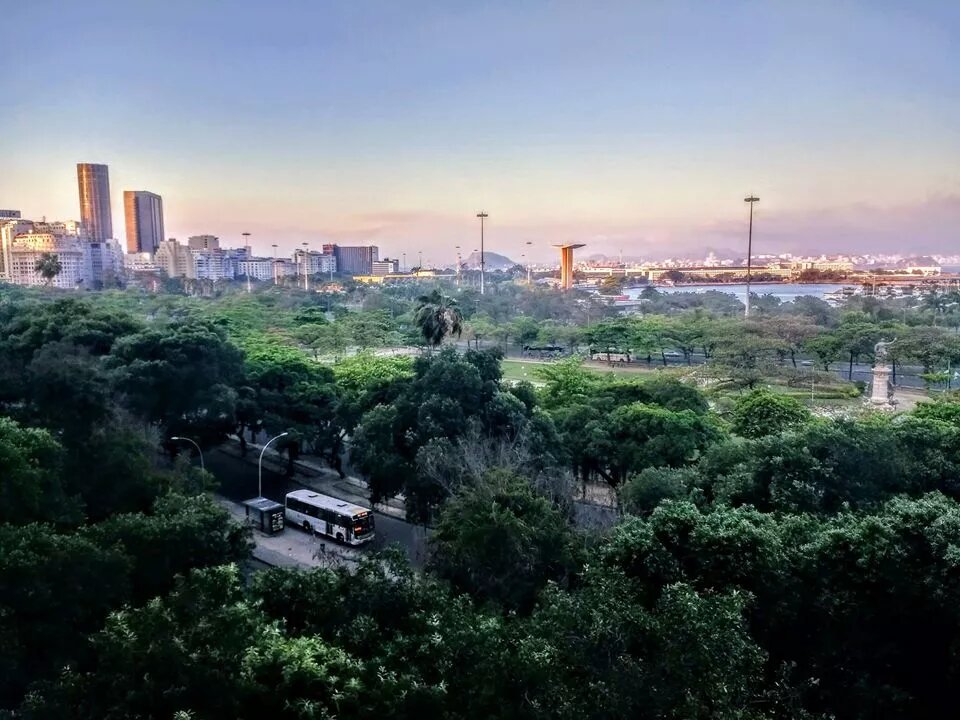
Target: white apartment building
<point x="9" y="229"/>
<point x="314" y="262"/>
<point x="214" y="264"/>
<point x="27" y="248"/>
<point x="175" y="260"/>
<point x="383" y="267"/>
<point x="256" y="268"/>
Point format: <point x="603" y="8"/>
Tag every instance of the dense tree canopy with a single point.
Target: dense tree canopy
<point x="764" y="561"/>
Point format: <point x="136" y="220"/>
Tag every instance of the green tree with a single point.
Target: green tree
<point x="438" y="316"/>
<point x="826" y="346"/>
<point x="642" y="493"/>
<point x="181" y="378"/>
<point x="31" y="489"/>
<point x="48" y="267"/>
<point x="502" y="543"/>
<point x="762" y="412"/>
<point x="638" y="436"/>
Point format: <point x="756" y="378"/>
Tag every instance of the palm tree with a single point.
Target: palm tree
<point x="49" y="267"/>
<point x="438" y="316"/>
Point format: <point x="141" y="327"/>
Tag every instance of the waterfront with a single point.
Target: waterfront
<point x="787" y="292"/>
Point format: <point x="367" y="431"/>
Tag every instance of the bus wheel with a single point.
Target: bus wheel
<point x="339" y="537"/>
<point x="307" y="528"/>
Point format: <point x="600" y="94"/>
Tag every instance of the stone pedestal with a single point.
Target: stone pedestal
<point x="881" y="393"/>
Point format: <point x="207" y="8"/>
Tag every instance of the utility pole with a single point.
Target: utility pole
<point x="751" y="199"/>
<point x="246" y="244"/>
<point x="482" y="215"/>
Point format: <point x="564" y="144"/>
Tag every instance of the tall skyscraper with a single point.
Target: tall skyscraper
<point x="144" y="215"/>
<point x="94" y="182"/>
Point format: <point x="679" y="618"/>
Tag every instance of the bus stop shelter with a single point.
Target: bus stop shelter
<point x="265" y="515"/>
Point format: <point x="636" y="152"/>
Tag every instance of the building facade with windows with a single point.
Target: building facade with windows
<point x="143" y="213"/>
<point x="203" y="242"/>
<point x="353" y="260"/>
<point x="175" y="260"/>
<point x="385" y="267"/>
<point x="94" y="184"/>
<point x="256" y="268"/>
<point x="30" y="247"/>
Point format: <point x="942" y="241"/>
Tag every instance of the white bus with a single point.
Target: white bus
<point x="330" y="516"/>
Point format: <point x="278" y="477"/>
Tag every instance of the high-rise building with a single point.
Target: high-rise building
<point x="203" y="242"/>
<point x="94" y="183"/>
<point x="356" y="260"/>
<point x="144" y="219"/>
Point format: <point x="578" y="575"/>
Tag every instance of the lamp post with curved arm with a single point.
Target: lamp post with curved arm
<point x="199" y="451"/>
<point x="260" y="463"/>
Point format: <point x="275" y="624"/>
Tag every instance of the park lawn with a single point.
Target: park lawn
<point x="526" y="369"/>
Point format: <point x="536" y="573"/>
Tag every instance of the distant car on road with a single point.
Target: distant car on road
<point x="806" y="363"/>
<point x="672" y="354"/>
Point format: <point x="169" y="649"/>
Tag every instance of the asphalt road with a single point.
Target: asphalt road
<point x="238" y="481"/>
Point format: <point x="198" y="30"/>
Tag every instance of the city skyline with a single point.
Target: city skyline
<point x="632" y="128"/>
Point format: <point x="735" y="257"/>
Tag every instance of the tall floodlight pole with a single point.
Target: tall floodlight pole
<point x="528" y="264"/>
<point x="403" y="267"/>
<point x="751" y="199"/>
<point x="306" y="273"/>
<point x="458" y="266"/>
<point x="246" y="244"/>
<point x="482" y="215"/>
<point x="274" y="263"/>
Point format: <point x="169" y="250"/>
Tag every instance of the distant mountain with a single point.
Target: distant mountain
<point x="494" y="261"/>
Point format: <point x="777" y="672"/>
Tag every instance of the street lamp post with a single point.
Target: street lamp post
<point x="176" y="438"/>
<point x="260" y="463"/>
<point x="752" y="199"/>
<point x="482" y="215"/>
<point x="246" y="244"/>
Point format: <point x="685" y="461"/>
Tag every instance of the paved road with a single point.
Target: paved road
<point x="238" y="481"/>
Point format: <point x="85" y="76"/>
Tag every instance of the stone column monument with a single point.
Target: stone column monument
<point x="881" y="391"/>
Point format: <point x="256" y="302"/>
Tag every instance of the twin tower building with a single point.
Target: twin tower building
<point x="143" y="211"/>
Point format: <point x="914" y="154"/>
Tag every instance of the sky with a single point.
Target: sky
<point x="634" y="126"/>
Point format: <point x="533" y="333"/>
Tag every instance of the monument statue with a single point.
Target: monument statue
<point x="881" y="395"/>
<point x="880" y="349"/>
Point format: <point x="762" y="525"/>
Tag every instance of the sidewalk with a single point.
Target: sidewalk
<point x="293" y="547"/>
<point x="319" y="477"/>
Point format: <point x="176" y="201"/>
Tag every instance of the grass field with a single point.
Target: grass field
<point x="825" y="394"/>
<point x="525" y="369"/>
